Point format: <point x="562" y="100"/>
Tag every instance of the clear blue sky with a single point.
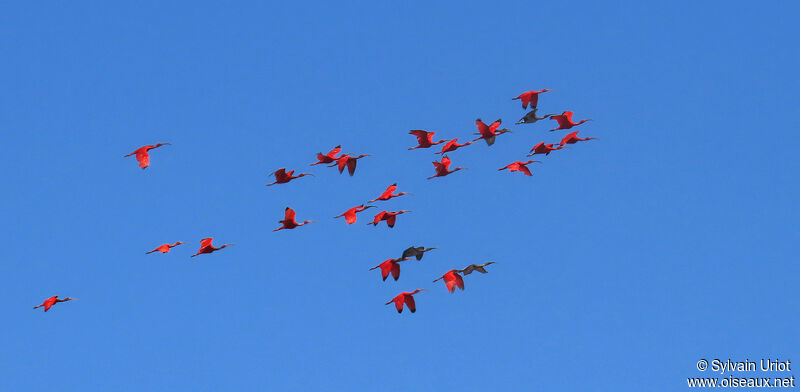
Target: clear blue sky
<point x="621" y="262"/>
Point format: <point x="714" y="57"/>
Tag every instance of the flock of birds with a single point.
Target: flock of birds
<point x="453" y="278"/>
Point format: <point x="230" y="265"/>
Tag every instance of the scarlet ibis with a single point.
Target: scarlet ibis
<point x="329" y="157"/>
<point x="565" y="121"/>
<point x="531" y="117"/>
<point x="387" y="194"/>
<point x="349" y="161"/>
<point x="489" y="132"/>
<point x="443" y="168"/>
<point x="52" y="301"/>
<point x="164" y="248"/>
<point x="424" y="139"/>
<point x="573" y="138"/>
<point x="143" y="154"/>
<point x="542" y="148"/>
<point x="288" y="220"/>
<point x="530" y="98"/>
<point x="388" y="266"/>
<point x="350" y="215"/>
<point x="282" y="176"/>
<point x="452" y="279"/>
<point x="407" y="298"/>
<point x="519" y="166"/>
<point x="389" y="217"/>
<point x="476" y="267"/>
<point x="417" y="252"/>
<point x="206" y="247"/>
<point x="452" y="146"/>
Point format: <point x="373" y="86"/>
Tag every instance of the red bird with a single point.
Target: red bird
<point x="143" y="154"/>
<point x="206" y="247"/>
<point x="282" y="176"/>
<point x="542" y="148"/>
<point x="530" y="98"/>
<point x="452" y="279"/>
<point x="389" y="217"/>
<point x="443" y="167"/>
<point x="424" y="139"/>
<point x="52" y="301"/>
<point x="489" y="132"/>
<point x="288" y="220"/>
<point x="519" y="166"/>
<point x="407" y="298"/>
<point x="164" y="248"/>
<point x="329" y="157"/>
<point x="350" y="215"/>
<point x="565" y="121"/>
<point x="387" y="194"/>
<point x="388" y="266"/>
<point x="452" y="146"/>
<point x="350" y="162"/>
<point x="573" y="138"/>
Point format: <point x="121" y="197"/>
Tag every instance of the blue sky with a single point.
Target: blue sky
<point x="620" y="262"/>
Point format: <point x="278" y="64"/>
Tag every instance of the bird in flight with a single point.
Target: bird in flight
<point x="531" y="117"/>
<point x="565" y="121"/>
<point x="329" y="157"/>
<point x="542" y="148"/>
<point x="519" y="166"/>
<point x="573" y="138"/>
<point x="489" y="132"/>
<point x="417" y="252"/>
<point x="452" y="146"/>
<point x="443" y="167"/>
<point x="407" y="299"/>
<point x="452" y="279"/>
<point x="282" y="176"/>
<point x="52" y="301"/>
<point x="206" y="247"/>
<point x="349" y="161"/>
<point x="424" y="139"/>
<point x="288" y="220"/>
<point x="164" y="248"/>
<point x="390" y="266"/>
<point x="476" y="267"/>
<point x="387" y="194"/>
<point x="143" y="154"/>
<point x="350" y="215"/>
<point x="389" y="217"/>
<point x="530" y="98"/>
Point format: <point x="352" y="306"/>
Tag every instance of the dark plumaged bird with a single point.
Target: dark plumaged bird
<point x="476" y="267"/>
<point x="531" y="117"/>
<point x="416" y="252"/>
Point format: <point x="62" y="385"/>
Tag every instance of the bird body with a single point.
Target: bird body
<point x="542" y="148"/>
<point x="443" y="167"/>
<point x="452" y="280"/>
<point x="519" y="166"/>
<point x="476" y="267"/>
<point x="164" y="248"/>
<point x="407" y="299"/>
<point x="348" y="161"/>
<point x="207" y="247"/>
<point x="329" y="157"/>
<point x="143" y="154"/>
<point x="389" y="217"/>
<point x="489" y="132"/>
<point x="565" y="121"/>
<point x="288" y="221"/>
<point x="424" y="139"/>
<point x="282" y="176"/>
<point x="416" y="252"/>
<point x="350" y="215"/>
<point x="530" y="98"/>
<point x="452" y="145"/>
<point x="387" y="194"/>
<point x="48" y="303"/>
<point x="573" y="138"/>
<point x="390" y="266"/>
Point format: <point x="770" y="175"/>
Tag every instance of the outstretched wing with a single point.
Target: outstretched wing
<point x="289" y="214"/>
<point x="411" y="251"/>
<point x="422" y="136"/>
<point x="143" y="157"/>
<point x="395" y="271"/>
<point x="398" y="303"/>
<point x="205" y="242"/>
<point x="468" y="270"/>
<point x="335" y="151"/>
<point x="493" y="126"/>
<point x="351" y="166"/>
<point x="390" y="220"/>
<point x="412" y="306"/>
<point x="446" y="162"/>
<point x="378" y="217"/>
<point x="350" y="216"/>
<point x="482" y="127"/>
